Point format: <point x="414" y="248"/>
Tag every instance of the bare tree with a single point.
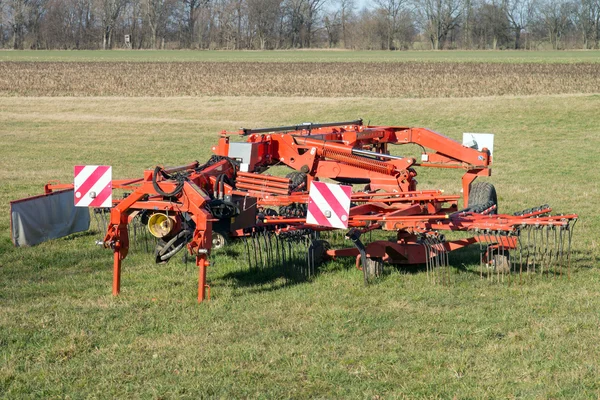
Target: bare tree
<point x="157" y="13"/>
<point x="313" y="8"/>
<point x="492" y="25"/>
<point x="111" y="10"/>
<point x="36" y="11"/>
<point x="391" y="10"/>
<point x="263" y="16"/>
<point x="520" y="13"/>
<point x="556" y="17"/>
<point x="439" y="18"/>
<point x="17" y="12"/>
<point x="332" y="23"/>
<point x="587" y="17"/>
<point x="347" y="9"/>
<point x="192" y="10"/>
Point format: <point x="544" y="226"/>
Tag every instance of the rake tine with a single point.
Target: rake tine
<point x="268" y="254"/>
<point x="430" y="257"/>
<point x="245" y="241"/>
<point x="256" y="252"/>
<point x="426" y="252"/>
<point x="561" y="239"/>
<point x="488" y="240"/>
<point x="311" y="252"/>
<point x="520" y="247"/>
<point x="430" y="276"/>
<point x="434" y="259"/>
<point x="442" y="260"/>
<point x="535" y="248"/>
<point x="502" y="253"/>
<point x="543" y="249"/>
<point x="553" y="251"/>
<point x="262" y="248"/>
<point x="481" y="245"/>
<point x="570" y="233"/>
<point x="272" y="251"/>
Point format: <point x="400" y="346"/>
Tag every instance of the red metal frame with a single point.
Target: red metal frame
<point x="342" y="152"/>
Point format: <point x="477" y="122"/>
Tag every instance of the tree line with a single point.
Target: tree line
<point x="292" y="24"/>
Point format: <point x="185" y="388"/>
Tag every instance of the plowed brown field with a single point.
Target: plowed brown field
<point x="382" y="79"/>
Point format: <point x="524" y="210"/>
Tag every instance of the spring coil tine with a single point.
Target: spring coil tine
<point x="570" y="233"/>
<point x="427" y="262"/>
<point x="257" y="254"/>
<point x="430" y="256"/>
<point x="311" y="253"/>
<point x="265" y="247"/>
<point x="269" y="250"/>
<point x="486" y="235"/>
<point x="518" y="252"/>
<point x="440" y="260"/>
<point x="535" y="252"/>
<point x="553" y="251"/>
<point x="248" y="259"/>
<point x="434" y="259"/>
<point x="481" y="246"/>
<point x="543" y="250"/>
<point x="445" y="264"/>
<point x="421" y="241"/>
<point x="561" y="239"/>
<point x="498" y="240"/>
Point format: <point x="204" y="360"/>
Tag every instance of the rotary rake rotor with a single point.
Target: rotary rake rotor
<point x="347" y="195"/>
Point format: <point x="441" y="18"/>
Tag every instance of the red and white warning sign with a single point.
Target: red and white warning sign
<point x="328" y="205"/>
<point x="93" y="186"/>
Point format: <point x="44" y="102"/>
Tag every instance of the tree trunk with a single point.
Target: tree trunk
<point x="152" y="36"/>
<point x="517" y="38"/>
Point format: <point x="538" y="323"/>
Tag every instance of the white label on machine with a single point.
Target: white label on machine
<point x="479" y="140"/>
<point x="93" y="186"/>
<point x="328" y="205"/>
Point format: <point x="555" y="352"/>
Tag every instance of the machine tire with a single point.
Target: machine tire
<point x="295" y="210"/>
<point x="219" y="240"/>
<point x="481" y="193"/>
<point x="297" y="178"/>
<point x="318" y="250"/>
<point x="374" y="268"/>
<point x="501" y="263"/>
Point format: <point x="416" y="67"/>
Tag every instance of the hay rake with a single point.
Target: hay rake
<point x="202" y="206"/>
<point x="294" y="255"/>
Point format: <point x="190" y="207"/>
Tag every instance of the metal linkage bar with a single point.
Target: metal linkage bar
<point x="303" y="126"/>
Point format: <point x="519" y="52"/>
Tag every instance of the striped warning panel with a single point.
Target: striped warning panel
<point x="328" y="205"/>
<point x="93" y="186"/>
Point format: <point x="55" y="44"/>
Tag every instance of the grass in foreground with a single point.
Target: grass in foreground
<point x="62" y="334"/>
<point x="320" y="56"/>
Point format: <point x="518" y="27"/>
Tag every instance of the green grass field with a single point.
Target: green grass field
<point x="62" y="334"/>
<point x="304" y="56"/>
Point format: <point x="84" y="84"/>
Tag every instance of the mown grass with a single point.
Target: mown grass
<point x="321" y="56"/>
<point x="63" y="335"/>
<point x="404" y="80"/>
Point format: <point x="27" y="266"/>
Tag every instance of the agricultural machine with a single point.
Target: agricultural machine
<point x="344" y="177"/>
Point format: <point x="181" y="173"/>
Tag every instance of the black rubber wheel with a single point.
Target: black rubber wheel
<point x="374" y="268"/>
<point x="219" y="240"/>
<point x="318" y="252"/>
<point x="298" y="184"/>
<point x="298" y="181"/>
<point x="482" y="193"/>
<point x="499" y="261"/>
